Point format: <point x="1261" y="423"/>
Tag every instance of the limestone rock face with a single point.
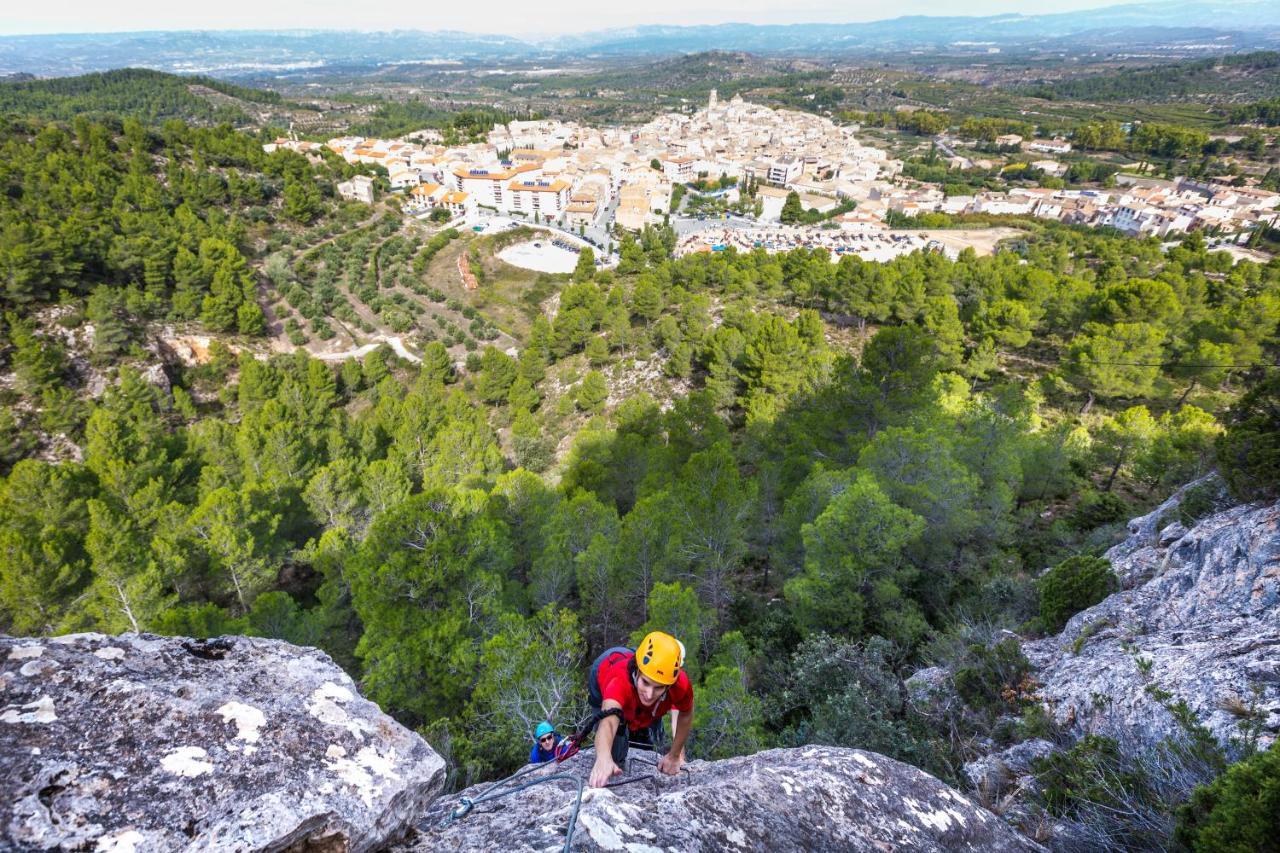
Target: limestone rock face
<point x="809" y="798"/>
<point x="1201" y="621"/>
<point x="992" y="773"/>
<point x="140" y="743"/>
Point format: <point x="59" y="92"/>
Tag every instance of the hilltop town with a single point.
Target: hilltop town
<point x="735" y="173"/>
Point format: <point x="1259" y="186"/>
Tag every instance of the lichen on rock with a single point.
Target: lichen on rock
<point x="807" y="798"/>
<point x="139" y="743"/>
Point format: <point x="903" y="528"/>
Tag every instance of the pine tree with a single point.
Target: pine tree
<point x="592" y="392"/>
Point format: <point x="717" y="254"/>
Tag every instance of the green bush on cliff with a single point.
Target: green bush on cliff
<point x="1249" y="451"/>
<point x="1239" y="812"/>
<point x="1071" y="586"/>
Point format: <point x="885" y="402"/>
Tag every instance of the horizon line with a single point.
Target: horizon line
<point x="562" y="33"/>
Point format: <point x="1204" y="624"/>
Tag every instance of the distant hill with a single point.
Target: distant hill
<point x="1255" y="75"/>
<point x="1249" y="22"/>
<point x="244" y="53"/>
<point x="1177" y="28"/>
<point x="149" y="96"/>
<point x="687" y="74"/>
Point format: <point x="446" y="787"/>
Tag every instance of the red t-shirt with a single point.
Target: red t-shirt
<point x="615" y="684"/>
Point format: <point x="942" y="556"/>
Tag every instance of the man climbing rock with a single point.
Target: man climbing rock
<point x="545" y="741"/>
<point x="635" y="690"/>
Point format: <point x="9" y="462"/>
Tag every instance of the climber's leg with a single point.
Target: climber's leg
<point x="621" y="744"/>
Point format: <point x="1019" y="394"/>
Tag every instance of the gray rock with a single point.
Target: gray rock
<point x="1171" y="534"/>
<point x="810" y="798"/>
<point x="143" y="743"/>
<point x="926" y="685"/>
<point x="1140" y="556"/>
<point x="156" y="375"/>
<point x="1203" y="624"/>
<point x="991" y="774"/>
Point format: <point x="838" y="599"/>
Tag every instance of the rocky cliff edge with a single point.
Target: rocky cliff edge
<point x="808" y="798"/>
<point x="139" y="743"/>
<point x="1197" y="621"/>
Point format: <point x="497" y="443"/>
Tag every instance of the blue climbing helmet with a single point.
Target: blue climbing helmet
<point x="544" y="728"/>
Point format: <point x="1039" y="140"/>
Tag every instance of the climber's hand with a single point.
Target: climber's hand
<point x="603" y="770"/>
<point x="670" y="763"/>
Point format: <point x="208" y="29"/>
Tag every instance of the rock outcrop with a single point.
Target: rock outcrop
<point x="1200" y="621"/>
<point x="139" y="743"/>
<point x="810" y="798"/>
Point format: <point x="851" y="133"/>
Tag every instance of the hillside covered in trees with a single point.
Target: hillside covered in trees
<point x="868" y="469"/>
<point x="1205" y="79"/>
<point x="151" y="97"/>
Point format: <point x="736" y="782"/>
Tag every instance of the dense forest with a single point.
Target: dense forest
<point x="871" y="468"/>
<point x="395" y="118"/>
<point x="161" y="220"/>
<point x="147" y="96"/>
<point x="1222" y="76"/>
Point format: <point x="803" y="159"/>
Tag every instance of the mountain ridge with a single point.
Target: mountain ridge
<point x="244" y="51"/>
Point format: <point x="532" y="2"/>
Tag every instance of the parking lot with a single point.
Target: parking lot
<point x="544" y="255"/>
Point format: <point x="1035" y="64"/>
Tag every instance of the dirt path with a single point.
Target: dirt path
<point x="394" y="342"/>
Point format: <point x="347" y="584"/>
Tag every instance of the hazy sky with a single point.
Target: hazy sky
<point x="488" y="16"/>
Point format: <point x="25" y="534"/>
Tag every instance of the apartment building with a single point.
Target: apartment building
<point x="678" y="169"/>
<point x="785" y="169"/>
<point x="541" y="200"/>
<point x="489" y="185"/>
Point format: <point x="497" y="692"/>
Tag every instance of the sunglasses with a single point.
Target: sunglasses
<point x="546" y="738"/>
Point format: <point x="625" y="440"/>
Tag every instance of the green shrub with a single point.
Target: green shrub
<point x="847" y="694"/>
<point x="1082" y="773"/>
<point x="1071" y="586"/>
<point x="1249" y="451"/>
<point x="197" y="620"/>
<point x="1197" y="503"/>
<point x="993" y="678"/>
<point x="1239" y="812"/>
<point x="1098" y="508"/>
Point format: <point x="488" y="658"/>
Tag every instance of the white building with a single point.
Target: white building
<point x="1050" y="167"/>
<point x="541" y="200"/>
<point x="1001" y="204"/>
<point x="1135" y="219"/>
<point x="785" y="169"/>
<point x="678" y="169"/>
<point x="489" y="185"/>
<point x="359" y="188"/>
<point x="403" y="177"/>
<point x="458" y="203"/>
<point x="771" y="201"/>
<point x="1049" y="146"/>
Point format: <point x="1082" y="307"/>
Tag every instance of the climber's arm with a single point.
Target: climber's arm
<point x="604" y="768"/>
<point x="670" y="763"/>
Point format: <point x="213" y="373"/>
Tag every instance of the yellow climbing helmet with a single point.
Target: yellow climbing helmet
<point x="660" y="657"/>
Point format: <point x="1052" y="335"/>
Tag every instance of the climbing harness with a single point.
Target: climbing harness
<point x="569" y="747"/>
